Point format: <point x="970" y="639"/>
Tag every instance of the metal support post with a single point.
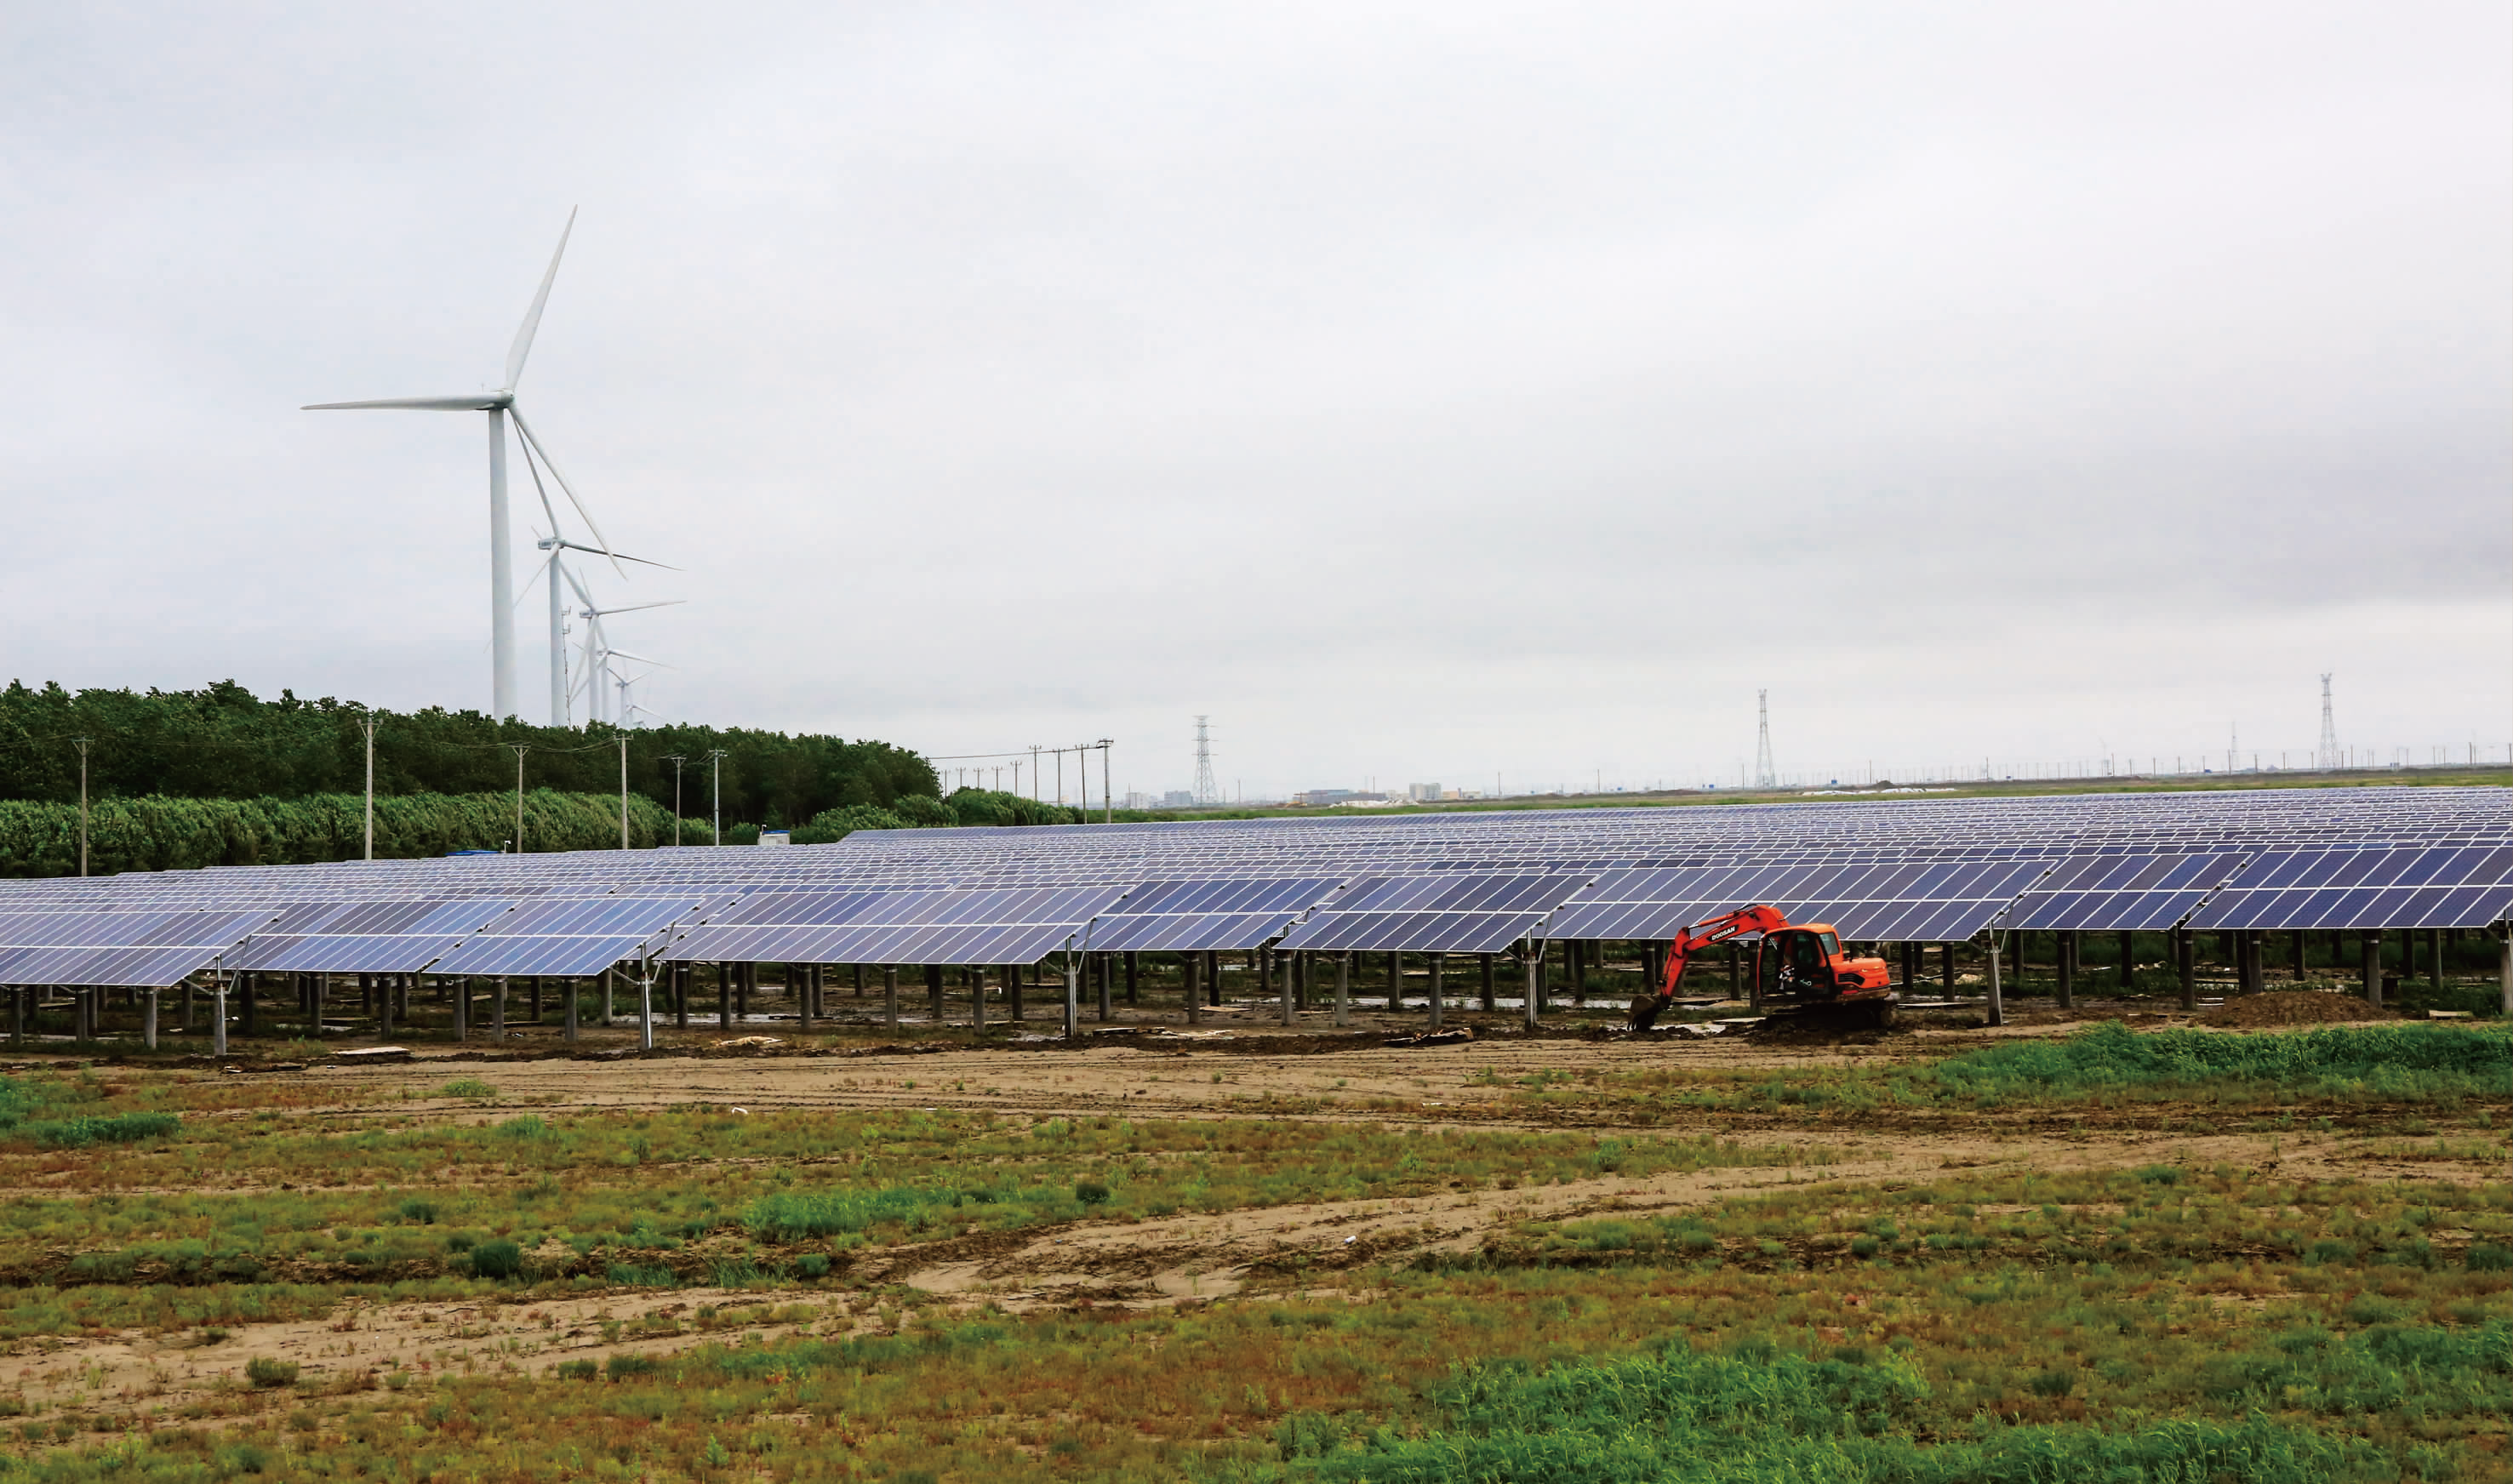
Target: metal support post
<point x="933" y="992"/>
<point x="1997" y="1005"/>
<point x="2504" y="971"/>
<point x="1438" y="992"/>
<point x="148" y="1020"/>
<point x="386" y="986"/>
<point x="1487" y="965"/>
<point x="1343" y="988"/>
<point x="807" y="994"/>
<point x="1107" y="971"/>
<point x="1191" y="987"/>
<point x="2067" y="968"/>
<point x="2373" y="969"/>
<point x="977" y="998"/>
<point x="646" y="1006"/>
<point x="890" y="996"/>
<point x="1133" y="972"/>
<point x="2128" y="963"/>
<point x="462" y="1007"/>
<point x="219" y="1017"/>
<point x="1072" y="995"/>
<point x="1290" y="972"/>
<point x="569" y="992"/>
<point x="1535" y="981"/>
<point x="2434" y="957"/>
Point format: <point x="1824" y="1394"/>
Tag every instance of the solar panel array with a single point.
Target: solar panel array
<point x="1882" y="869"/>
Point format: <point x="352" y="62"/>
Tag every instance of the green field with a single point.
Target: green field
<point x="2176" y="1256"/>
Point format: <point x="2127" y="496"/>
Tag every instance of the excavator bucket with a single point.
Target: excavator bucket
<point x="1644" y="1008"/>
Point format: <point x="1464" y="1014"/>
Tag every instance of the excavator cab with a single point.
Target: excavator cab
<point x="1808" y="965"/>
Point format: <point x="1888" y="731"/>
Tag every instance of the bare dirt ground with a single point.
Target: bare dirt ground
<point x="1241" y="1255"/>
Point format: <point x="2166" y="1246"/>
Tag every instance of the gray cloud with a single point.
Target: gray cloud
<point x="1422" y="392"/>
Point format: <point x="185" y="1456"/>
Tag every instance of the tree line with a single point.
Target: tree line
<point x="221" y="741"/>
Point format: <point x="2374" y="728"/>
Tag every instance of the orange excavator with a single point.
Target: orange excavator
<point x="1799" y="963"/>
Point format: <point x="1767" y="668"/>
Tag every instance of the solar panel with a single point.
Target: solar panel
<point x="1196" y="916"/>
<point x="1904" y="901"/>
<point x="145" y="949"/>
<point x="2464" y="886"/>
<point x="364" y="937"/>
<point x="1454" y="913"/>
<point x="1016" y="925"/>
<point x="2142" y="893"/>
<point x="568" y="937"/>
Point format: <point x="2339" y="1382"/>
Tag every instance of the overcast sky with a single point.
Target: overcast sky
<point x="1430" y="392"/>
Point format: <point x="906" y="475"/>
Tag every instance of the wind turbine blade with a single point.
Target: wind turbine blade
<point x="622" y="653"/>
<point x="583" y="596"/>
<point x="531" y="468"/>
<point x="523" y="346"/>
<point x="569" y="490"/>
<point x="618" y="555"/>
<point x="641" y="607"/>
<point x="476" y="402"/>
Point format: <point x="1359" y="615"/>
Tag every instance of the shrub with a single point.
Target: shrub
<point x="499" y="1258"/>
<point x="418" y="1213"/>
<point x="2487" y="1257"/>
<point x="577" y="1369"/>
<point x="467" y="1087"/>
<point x="119" y="1128"/>
<point x="270" y="1370"/>
<point x="813" y="1265"/>
<point x="622" y="1367"/>
<point x="1090" y="1192"/>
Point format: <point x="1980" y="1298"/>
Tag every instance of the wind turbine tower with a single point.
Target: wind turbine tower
<point x="1765" y="775"/>
<point x="2329" y="728"/>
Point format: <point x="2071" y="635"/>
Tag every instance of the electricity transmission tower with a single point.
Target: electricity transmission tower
<point x="1765" y="775"/>
<point x="2328" y="757"/>
<point x="1207" y="791"/>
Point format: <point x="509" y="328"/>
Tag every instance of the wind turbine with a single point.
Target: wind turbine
<point x="627" y="714"/>
<point x="499" y="405"/>
<point x="551" y="574"/>
<point x="597" y="643"/>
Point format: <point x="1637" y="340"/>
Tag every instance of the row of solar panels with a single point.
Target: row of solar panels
<point x="1448" y="913"/>
<point x="1569" y="840"/>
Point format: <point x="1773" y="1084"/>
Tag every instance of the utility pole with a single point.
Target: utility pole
<point x="716" y="757"/>
<point x="82" y="743"/>
<point x="366" y="724"/>
<point x="1060" y="776"/>
<point x="676" y="759"/>
<point x="520" y="749"/>
<point x="1035" y="781"/>
<point x="1107" y="796"/>
<point x="624" y="791"/>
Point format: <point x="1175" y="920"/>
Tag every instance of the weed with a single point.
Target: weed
<point x="269" y="1371"/>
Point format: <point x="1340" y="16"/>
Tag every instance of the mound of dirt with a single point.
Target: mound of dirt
<point x="2293" y="1007"/>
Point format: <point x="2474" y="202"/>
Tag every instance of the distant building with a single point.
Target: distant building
<point x="776" y="837"/>
<point x="1424" y="793"/>
<point x="1177" y="798"/>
